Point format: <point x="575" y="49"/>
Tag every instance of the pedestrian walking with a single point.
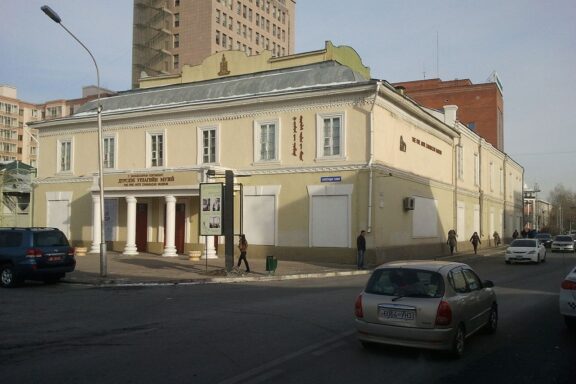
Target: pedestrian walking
<point x="475" y="240"/>
<point x="452" y="240"/>
<point x="361" y="249"/>
<point x="515" y="234"/>
<point x="497" y="240"/>
<point x="243" y="246"/>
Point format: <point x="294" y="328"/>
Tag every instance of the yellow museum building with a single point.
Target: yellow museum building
<point x="324" y="152"/>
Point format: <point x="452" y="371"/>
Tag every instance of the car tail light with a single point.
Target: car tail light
<point x="358" y="307"/>
<point x="71" y="251"/>
<point x="33" y="252"/>
<point x="444" y="314"/>
<point x="569" y="285"/>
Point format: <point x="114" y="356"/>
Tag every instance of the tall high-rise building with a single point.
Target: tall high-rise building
<point x="168" y="34"/>
<point x="480" y="106"/>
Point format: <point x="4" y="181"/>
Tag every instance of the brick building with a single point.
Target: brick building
<point x="480" y="106"/>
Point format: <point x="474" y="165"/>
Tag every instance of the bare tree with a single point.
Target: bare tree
<point x="563" y="217"/>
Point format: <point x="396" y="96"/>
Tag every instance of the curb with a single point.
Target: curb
<point x="214" y="280"/>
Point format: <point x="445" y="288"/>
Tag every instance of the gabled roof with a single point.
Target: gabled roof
<point x="287" y="80"/>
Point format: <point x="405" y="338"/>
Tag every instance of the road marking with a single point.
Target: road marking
<point x="271" y="366"/>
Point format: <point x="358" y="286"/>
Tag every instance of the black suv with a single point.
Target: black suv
<point x="34" y="254"/>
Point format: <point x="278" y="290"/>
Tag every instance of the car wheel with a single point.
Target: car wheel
<point x="507" y="262"/>
<point x="492" y="323"/>
<point x="458" y="342"/>
<point x="544" y="258"/>
<point x="8" y="277"/>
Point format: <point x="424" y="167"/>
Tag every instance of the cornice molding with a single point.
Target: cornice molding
<point x="225" y="111"/>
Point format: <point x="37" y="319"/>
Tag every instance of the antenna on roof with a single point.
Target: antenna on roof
<point x="437" y="55"/>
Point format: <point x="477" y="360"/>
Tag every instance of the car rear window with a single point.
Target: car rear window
<point x="405" y="282"/>
<point x="10" y="239"/>
<point x="49" y="239"/>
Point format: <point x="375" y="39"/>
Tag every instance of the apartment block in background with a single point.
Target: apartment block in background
<point x="17" y="140"/>
<point x="170" y="33"/>
<point x="480" y="106"/>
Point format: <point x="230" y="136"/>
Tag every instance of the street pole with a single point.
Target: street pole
<point x="228" y="222"/>
<point x="103" y="262"/>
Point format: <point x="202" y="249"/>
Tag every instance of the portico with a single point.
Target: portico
<point x="150" y="208"/>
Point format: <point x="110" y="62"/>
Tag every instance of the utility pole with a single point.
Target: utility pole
<point x="228" y="222"/>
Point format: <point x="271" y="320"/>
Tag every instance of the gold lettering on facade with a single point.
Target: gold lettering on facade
<point x="146" y="180"/>
<point x="426" y="145"/>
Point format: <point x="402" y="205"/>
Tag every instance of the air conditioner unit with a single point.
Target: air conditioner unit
<point x="409" y="203"/>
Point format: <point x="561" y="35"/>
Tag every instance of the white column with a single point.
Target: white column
<point x="209" y="251"/>
<point x="130" y="248"/>
<point x="169" y="247"/>
<point x="96" y="239"/>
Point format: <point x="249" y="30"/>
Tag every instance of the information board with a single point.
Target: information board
<point x="211" y="209"/>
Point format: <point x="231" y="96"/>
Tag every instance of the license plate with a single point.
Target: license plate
<point x="54" y="258"/>
<point x="396" y="314"/>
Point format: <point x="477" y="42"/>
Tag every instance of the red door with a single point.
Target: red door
<point x="142" y="227"/>
<point x="180" y="227"/>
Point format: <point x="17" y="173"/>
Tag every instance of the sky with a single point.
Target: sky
<point x="531" y="44"/>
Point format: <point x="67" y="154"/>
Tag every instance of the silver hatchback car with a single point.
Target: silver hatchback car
<point x="425" y="304"/>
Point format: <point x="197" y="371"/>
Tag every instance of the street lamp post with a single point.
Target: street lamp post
<point x="103" y="262"/>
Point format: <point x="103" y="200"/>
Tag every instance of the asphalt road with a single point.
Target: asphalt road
<point x="297" y="331"/>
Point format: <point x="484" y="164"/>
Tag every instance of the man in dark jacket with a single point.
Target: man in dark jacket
<point x="361" y="246"/>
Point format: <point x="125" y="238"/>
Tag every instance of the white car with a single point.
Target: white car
<point x="525" y="250"/>
<point x="563" y="243"/>
<point x="568" y="299"/>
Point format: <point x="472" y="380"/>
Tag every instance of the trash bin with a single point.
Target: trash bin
<point x="271" y="264"/>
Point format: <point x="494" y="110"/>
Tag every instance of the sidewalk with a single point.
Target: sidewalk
<point x="150" y="269"/>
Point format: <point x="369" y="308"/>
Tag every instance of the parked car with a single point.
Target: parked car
<point x="425" y="304"/>
<point x="562" y="243"/>
<point x="34" y="254"/>
<point x="520" y="250"/>
<point x="568" y="299"/>
<point x="545" y="239"/>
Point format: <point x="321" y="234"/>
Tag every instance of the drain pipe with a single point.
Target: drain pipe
<point x="371" y="159"/>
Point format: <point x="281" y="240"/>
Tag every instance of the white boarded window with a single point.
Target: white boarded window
<point x="425" y="217"/>
<point x="476" y="169"/>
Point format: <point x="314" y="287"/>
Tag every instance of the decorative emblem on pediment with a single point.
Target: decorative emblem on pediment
<point x="223" y="67"/>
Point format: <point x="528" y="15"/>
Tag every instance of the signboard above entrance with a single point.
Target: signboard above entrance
<point x="151" y="180"/>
